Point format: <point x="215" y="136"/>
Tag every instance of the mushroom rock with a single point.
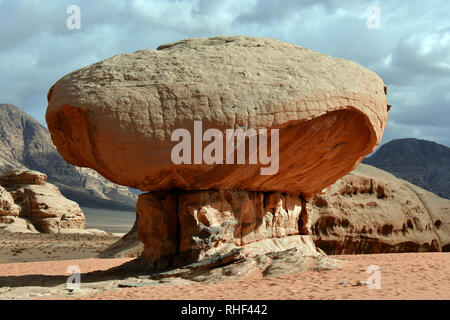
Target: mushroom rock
<point x="150" y="120"/>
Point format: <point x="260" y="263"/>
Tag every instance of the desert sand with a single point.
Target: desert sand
<point x="29" y="247"/>
<point x="403" y="276"/>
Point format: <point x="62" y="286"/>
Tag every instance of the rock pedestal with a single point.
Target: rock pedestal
<point x="178" y="228"/>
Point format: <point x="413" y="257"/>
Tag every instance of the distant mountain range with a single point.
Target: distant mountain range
<point x="421" y="162"/>
<point x="24" y="142"/>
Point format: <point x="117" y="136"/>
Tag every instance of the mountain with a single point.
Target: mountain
<point x="25" y="143"/>
<point x="421" y="162"/>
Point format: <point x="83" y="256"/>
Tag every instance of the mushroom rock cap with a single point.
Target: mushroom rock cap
<point x="117" y="116"/>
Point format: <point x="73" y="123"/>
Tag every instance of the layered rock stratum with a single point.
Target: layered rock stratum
<point x="371" y="211"/>
<point x="118" y="117"/>
<point x="29" y="204"/>
<point x="26" y="144"/>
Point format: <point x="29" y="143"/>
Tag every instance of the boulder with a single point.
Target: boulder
<point x="118" y="116"/>
<point x="371" y="211"/>
<point x="41" y="203"/>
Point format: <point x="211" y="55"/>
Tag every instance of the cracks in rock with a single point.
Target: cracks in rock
<point x="427" y="209"/>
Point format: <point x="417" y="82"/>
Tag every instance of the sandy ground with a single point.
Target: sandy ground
<point x="28" y="247"/>
<point x="403" y="276"/>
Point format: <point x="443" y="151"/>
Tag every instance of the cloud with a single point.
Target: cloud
<point x="411" y="50"/>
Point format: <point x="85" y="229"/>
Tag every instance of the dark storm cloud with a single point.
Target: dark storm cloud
<point x="411" y="50"/>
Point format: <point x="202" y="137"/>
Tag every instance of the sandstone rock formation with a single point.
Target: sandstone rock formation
<point x="371" y="211"/>
<point x="118" y="117"/>
<point x="26" y="144"/>
<point x="30" y="204"/>
<point x="7" y="205"/>
<point x="190" y="226"/>
<point x="439" y="210"/>
<point x="9" y="215"/>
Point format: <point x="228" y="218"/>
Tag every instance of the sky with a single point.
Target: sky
<point x="407" y="43"/>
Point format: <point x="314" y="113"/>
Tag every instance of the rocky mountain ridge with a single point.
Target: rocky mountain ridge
<point x="421" y="162"/>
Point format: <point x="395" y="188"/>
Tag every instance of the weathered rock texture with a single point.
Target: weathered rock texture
<point x="9" y="215"/>
<point x="371" y="211"/>
<point x="29" y="204"/>
<point x="117" y="116"/>
<point x="178" y="228"/>
<point x="26" y="144"/>
<point x="7" y="205"/>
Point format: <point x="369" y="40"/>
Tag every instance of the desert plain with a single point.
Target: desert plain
<point x="403" y="276"/>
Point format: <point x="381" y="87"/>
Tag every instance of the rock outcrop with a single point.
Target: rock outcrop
<point x="9" y="215"/>
<point x="26" y="144"/>
<point x="7" y="205"/>
<point x="322" y="115"/>
<point x="29" y="204"/>
<point x="371" y="211"/>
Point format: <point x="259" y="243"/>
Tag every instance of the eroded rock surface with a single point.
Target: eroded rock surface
<point x="37" y="205"/>
<point x="371" y="211"/>
<point x="182" y="227"/>
<point x="9" y="215"/>
<point x="117" y="116"/>
<point x="7" y="205"/>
